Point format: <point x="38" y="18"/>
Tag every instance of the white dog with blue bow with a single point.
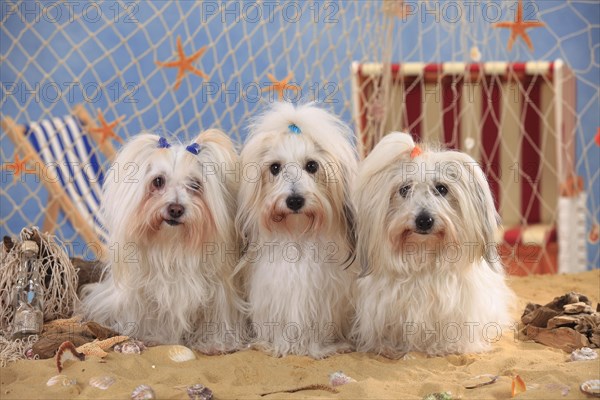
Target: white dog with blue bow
<point x="169" y="210"/>
<point x="297" y="223"/>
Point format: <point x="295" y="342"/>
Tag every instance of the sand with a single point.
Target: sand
<point x="247" y="374"/>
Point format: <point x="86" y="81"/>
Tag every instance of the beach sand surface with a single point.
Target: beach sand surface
<point x="248" y="374"/>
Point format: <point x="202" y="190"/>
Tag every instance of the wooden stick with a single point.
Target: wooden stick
<point x="52" y="209"/>
<point x="88" y="122"/>
<point x="300" y="389"/>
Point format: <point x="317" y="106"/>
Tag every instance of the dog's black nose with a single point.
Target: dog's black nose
<point x="176" y="210"/>
<point x="294" y="203"/>
<point x="424" y="222"/>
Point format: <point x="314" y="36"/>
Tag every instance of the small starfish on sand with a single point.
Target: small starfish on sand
<point x="98" y="347"/>
<point x="106" y="130"/>
<point x="519" y="28"/>
<point x="184" y="63"/>
<point x="281" y="86"/>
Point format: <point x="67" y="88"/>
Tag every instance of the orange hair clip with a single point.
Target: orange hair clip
<point x="416" y="152"/>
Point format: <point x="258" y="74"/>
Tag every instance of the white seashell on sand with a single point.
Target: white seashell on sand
<point x="480" y="380"/>
<point x="591" y="388"/>
<point x="130" y="347"/>
<point x="143" y="392"/>
<point x="179" y="353"/>
<point x="102" y="382"/>
<point x="583" y="354"/>
<point x="61" y="380"/>
<point x="199" y="392"/>
<point x="339" y="378"/>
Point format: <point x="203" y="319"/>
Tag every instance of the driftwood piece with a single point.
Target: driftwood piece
<point x="569" y="298"/>
<point x="564" y="320"/>
<point x="577" y="308"/>
<point x="88" y="271"/>
<point x="47" y="346"/>
<point x="568" y="322"/>
<point x="539" y="316"/>
<point x="90" y="329"/>
<point x="69" y="330"/>
<point x="588" y="323"/>
<point x="561" y="338"/>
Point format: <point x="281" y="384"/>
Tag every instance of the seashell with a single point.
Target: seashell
<point x="130" y="347"/>
<point x="143" y="392"/>
<point x="479" y="381"/>
<point x="517" y="385"/>
<point x="29" y="354"/>
<point x="339" y="378"/>
<point x="67" y="351"/>
<point x="582" y="354"/>
<point x="179" y="353"/>
<point x="62" y="380"/>
<point x="438" y="396"/>
<point x="199" y="392"/>
<point x="102" y="382"/>
<point x="591" y="387"/>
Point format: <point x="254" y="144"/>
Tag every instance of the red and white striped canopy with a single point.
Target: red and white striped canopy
<point x="517" y="119"/>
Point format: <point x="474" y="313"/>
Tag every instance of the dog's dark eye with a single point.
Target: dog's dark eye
<point x="441" y="190"/>
<point x="195" y="186"/>
<point x="275" y="168"/>
<point x="404" y="190"/>
<point x="311" y="167"/>
<point x="158" y="182"/>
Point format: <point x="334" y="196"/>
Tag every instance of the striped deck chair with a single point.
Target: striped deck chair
<point x="70" y="169"/>
<point x="517" y="119"/>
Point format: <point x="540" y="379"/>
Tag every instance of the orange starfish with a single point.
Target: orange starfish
<point x="106" y="129"/>
<point x="184" y="63"/>
<point x="282" y="85"/>
<point x="398" y="9"/>
<point x="519" y="28"/>
<point x="19" y="166"/>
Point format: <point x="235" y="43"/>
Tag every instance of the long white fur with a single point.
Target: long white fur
<point x="439" y="293"/>
<point x="297" y="267"/>
<point x="171" y="284"/>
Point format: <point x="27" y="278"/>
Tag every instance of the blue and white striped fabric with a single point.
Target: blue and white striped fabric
<point x="69" y="155"/>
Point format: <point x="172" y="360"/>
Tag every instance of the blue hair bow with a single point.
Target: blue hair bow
<point x="193" y="148"/>
<point x="294" y="129"/>
<point x="163" y="144"/>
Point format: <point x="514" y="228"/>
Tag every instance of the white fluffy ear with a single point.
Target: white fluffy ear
<point x="480" y="208"/>
<point x="121" y="180"/>
<point x="375" y="179"/>
<point x="400" y="139"/>
<point x="223" y="153"/>
<point x="490" y="220"/>
<point x="219" y="138"/>
<point x="220" y="143"/>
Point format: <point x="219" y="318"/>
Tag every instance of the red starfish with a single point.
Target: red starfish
<point x="282" y="85"/>
<point x="106" y="129"/>
<point x="519" y="28"/>
<point x="19" y="166"/>
<point x="184" y="63"/>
